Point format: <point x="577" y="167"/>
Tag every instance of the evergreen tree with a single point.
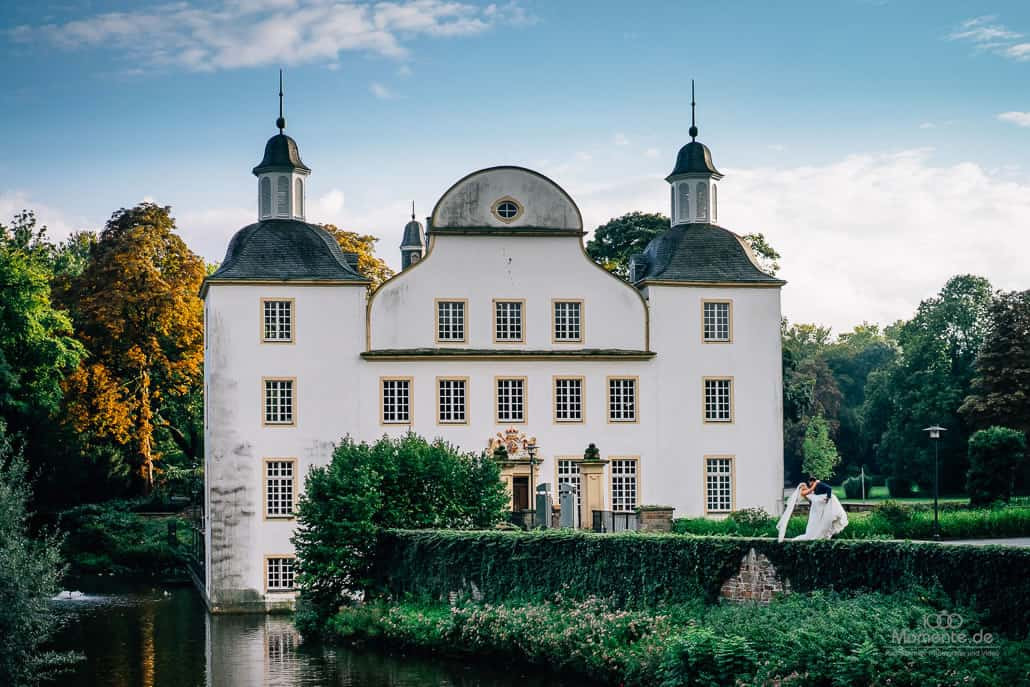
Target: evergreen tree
<point x="994" y="454"/>
<point x="820" y="454"/>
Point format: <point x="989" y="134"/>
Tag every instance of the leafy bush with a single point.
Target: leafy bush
<point x="994" y="457"/>
<point x="111" y="538"/>
<point x="751" y="518"/>
<point x="817" y="638"/>
<point x="642" y="570"/>
<point x="901" y="487"/>
<point x="405" y="482"/>
<point x="894" y="516"/>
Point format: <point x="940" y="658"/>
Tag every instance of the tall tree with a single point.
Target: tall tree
<point x="37" y="350"/>
<point x="370" y="266"/>
<point x="932" y="376"/>
<point x="820" y="453"/>
<point x="619" y="239"/>
<point x="30" y="572"/>
<point x="139" y="316"/>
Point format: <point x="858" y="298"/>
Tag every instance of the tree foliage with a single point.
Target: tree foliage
<point x="371" y="267"/>
<point x="820" y="454"/>
<point x="30" y="574"/>
<point x="619" y="239"/>
<point x="394" y="483"/>
<point x="768" y="258"/>
<point x="139" y="316"/>
<point x="995" y="454"/>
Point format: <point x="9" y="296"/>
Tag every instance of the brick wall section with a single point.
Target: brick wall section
<point x="755" y="581"/>
<point x="656" y="519"/>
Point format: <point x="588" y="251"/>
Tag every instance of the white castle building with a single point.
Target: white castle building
<point x="501" y="322"/>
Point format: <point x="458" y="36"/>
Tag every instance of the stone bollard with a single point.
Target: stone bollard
<point x="542" y="514"/>
<point x="567" y="503"/>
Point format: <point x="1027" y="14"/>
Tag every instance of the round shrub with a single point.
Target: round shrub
<point x="901" y="487"/>
<point x="853" y="487"/>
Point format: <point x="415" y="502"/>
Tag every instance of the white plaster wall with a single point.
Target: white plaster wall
<point x="469" y="202"/>
<point x="753" y="359"/>
<point x="482" y="268"/>
<point x="553" y="438"/>
<point x="328" y="335"/>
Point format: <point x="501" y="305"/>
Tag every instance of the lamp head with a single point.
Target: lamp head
<point x="935" y="431"/>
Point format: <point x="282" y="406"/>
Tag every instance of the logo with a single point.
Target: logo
<point x="942" y="621"/>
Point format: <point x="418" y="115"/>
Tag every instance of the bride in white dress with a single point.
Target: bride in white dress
<point x="826" y="516"/>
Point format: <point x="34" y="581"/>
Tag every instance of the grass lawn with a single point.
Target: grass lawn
<point x="880" y="494"/>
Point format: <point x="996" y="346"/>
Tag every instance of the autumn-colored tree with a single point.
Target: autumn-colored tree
<point x="139" y="316"/>
<point x="364" y="246"/>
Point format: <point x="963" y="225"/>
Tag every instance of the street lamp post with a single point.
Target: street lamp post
<point x="935" y="435"/>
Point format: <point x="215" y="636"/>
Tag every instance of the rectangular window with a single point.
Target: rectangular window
<point x="568" y="399"/>
<point x="622" y="399"/>
<point x="396" y="400"/>
<point x="279" y="402"/>
<point x="450" y="321"/>
<point x="624" y="484"/>
<point x="568" y="473"/>
<point x="279" y="573"/>
<point x="511" y="400"/>
<point x="278" y="320"/>
<point x="568" y="321"/>
<point x="716" y="321"/>
<point x="452" y="401"/>
<point x="508" y="321"/>
<point x="719" y="484"/>
<point x="718" y="400"/>
<point x="279" y="486"/>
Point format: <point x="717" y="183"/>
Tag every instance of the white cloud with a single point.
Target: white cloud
<point x="865" y="237"/>
<point x="584" y="156"/>
<point x="59" y="225"/>
<point x="621" y="140"/>
<point x="380" y="91"/>
<point x="1017" y="118"/>
<point x="247" y="33"/>
<point x="329" y="204"/>
<point x="404" y="70"/>
<point x="987" y="35"/>
<point x="778" y="147"/>
<point x="927" y="125"/>
<point x="652" y="153"/>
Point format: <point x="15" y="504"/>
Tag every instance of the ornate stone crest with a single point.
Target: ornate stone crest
<point x="513" y="442"/>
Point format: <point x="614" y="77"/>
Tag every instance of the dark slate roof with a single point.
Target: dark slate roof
<point x="281" y="155"/>
<point x="694" y="158"/>
<point x="285" y="250"/>
<point x="701" y="253"/>
<point x="413" y="234"/>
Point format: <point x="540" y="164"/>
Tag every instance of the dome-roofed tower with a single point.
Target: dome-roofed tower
<point x="695" y="195"/>
<point x="282" y="175"/>
<point x="413" y="244"/>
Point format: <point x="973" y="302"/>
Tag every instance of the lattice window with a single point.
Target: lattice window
<point x="684" y="205"/>
<point x="278" y="320"/>
<point x="508" y="320"/>
<point x="622" y="400"/>
<point x="716" y="321"/>
<point x="718" y="400"/>
<point x="719" y="485"/>
<point x="568" y="473"/>
<point x="279" y="488"/>
<point x="452" y="401"/>
<point x="279" y="401"/>
<point x="702" y="201"/>
<point x="266" y="196"/>
<point x="450" y="320"/>
<point x="279" y="574"/>
<point x="624" y="484"/>
<point x="397" y="401"/>
<point x="568" y="399"/>
<point x="511" y="400"/>
<point x="567" y="321"/>
<point x="298" y="198"/>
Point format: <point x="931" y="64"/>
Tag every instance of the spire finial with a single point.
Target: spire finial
<point x="281" y="122"/>
<point x="693" y="126"/>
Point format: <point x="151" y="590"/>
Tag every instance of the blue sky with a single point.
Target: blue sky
<point x="880" y="146"/>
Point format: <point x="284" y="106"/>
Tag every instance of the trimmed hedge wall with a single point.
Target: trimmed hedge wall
<point x="648" y="569"/>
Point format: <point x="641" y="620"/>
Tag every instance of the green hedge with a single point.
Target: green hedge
<point x="642" y="570"/>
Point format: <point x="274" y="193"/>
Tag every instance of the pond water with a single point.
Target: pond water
<point x="154" y="636"/>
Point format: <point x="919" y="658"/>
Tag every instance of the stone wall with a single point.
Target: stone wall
<point x="755" y="581"/>
<point x="656" y="519"/>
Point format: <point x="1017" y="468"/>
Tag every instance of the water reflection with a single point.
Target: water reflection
<point x="158" y="637"/>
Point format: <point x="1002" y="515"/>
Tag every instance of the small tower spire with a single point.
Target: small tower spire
<point x="413" y="210"/>
<point x="693" y="125"/>
<point x="281" y="122"/>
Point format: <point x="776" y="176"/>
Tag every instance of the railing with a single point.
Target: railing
<point x="609" y="521"/>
